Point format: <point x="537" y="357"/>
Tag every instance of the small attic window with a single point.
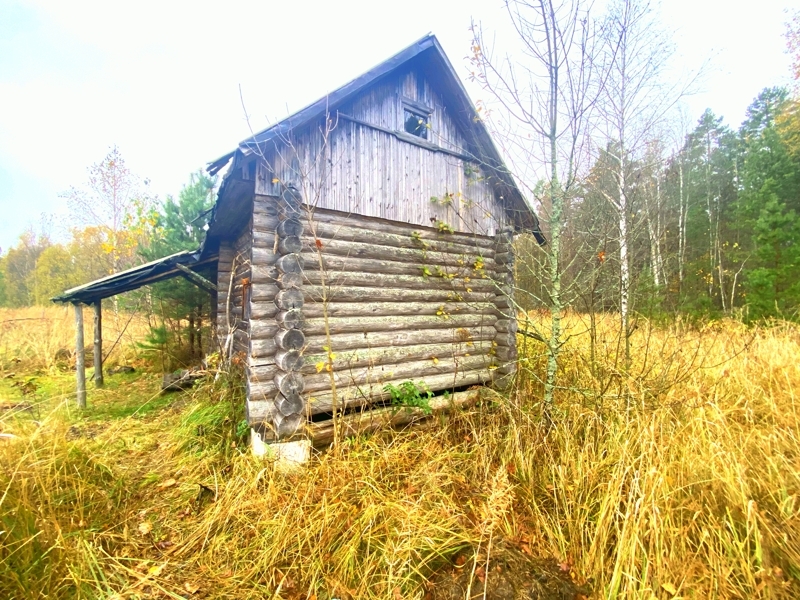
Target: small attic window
<point x="416" y="123"/>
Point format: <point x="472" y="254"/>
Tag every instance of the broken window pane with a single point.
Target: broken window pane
<point x="416" y="124"/>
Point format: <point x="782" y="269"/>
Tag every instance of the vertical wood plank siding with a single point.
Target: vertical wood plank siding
<point x="351" y="167"/>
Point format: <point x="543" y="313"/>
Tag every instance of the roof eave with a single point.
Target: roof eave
<point x="484" y="144"/>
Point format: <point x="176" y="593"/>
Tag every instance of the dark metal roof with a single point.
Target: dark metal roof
<point x="124" y="281"/>
<point x="482" y="147"/>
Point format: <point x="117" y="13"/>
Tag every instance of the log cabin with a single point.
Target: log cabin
<point x="363" y="252"/>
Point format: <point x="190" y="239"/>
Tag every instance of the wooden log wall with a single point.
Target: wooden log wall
<point x="234" y="281"/>
<point x="263" y="313"/>
<point x="399" y="303"/>
<point x="343" y="305"/>
<point x="506" y="326"/>
<point x="289" y="410"/>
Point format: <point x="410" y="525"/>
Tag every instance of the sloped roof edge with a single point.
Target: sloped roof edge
<point x="135" y="277"/>
<point x="333" y="99"/>
<point x="489" y="155"/>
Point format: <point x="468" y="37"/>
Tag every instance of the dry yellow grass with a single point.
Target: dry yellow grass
<point x="31" y="337"/>
<point x="675" y="477"/>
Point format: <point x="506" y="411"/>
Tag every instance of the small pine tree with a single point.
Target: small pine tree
<point x="181" y="227"/>
<point x="774" y="286"/>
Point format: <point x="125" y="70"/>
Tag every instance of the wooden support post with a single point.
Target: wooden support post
<point x="98" y="344"/>
<point x="80" y="357"/>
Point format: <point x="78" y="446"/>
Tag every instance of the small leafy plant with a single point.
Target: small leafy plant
<point x="440" y="272"/>
<point x="411" y="395"/>
<point x="444" y="227"/>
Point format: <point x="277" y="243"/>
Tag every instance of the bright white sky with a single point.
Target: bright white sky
<point x="161" y="79"/>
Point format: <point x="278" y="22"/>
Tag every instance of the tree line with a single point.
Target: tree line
<point x="643" y="216"/>
<point x="640" y="217"/>
<point x="711" y="228"/>
<point x="118" y="224"/>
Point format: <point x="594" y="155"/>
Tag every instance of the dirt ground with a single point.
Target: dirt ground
<point x="511" y="575"/>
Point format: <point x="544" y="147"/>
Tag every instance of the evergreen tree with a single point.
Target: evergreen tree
<point x="181" y="227"/>
<point x="774" y="286"/>
<point x="770" y="201"/>
<point x="3" y="289"/>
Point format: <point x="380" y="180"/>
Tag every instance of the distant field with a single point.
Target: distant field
<point x="677" y="475"/>
<point x="30" y="338"/>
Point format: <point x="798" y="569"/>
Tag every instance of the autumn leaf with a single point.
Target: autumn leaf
<point x="669" y="588"/>
<point x="320" y="366"/>
<point x="192" y="588"/>
<point x="275" y="180"/>
<point x="156" y="570"/>
<point x="145" y="527"/>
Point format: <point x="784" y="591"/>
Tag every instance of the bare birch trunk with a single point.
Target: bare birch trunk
<point x="624" y="266"/>
<point x="556" y="218"/>
<point x="654" y="235"/>
<point x="682" y="214"/>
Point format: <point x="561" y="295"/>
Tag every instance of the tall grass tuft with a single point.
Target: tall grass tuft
<point x="675" y="476"/>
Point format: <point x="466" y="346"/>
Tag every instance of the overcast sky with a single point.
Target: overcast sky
<point x="161" y="79"/>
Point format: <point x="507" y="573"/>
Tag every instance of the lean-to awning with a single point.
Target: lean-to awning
<point x="182" y="264"/>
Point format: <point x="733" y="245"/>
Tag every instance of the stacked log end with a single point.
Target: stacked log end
<point x="506" y="326"/>
<point x="289" y="338"/>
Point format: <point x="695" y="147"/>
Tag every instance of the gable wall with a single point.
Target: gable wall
<point x="362" y="169"/>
